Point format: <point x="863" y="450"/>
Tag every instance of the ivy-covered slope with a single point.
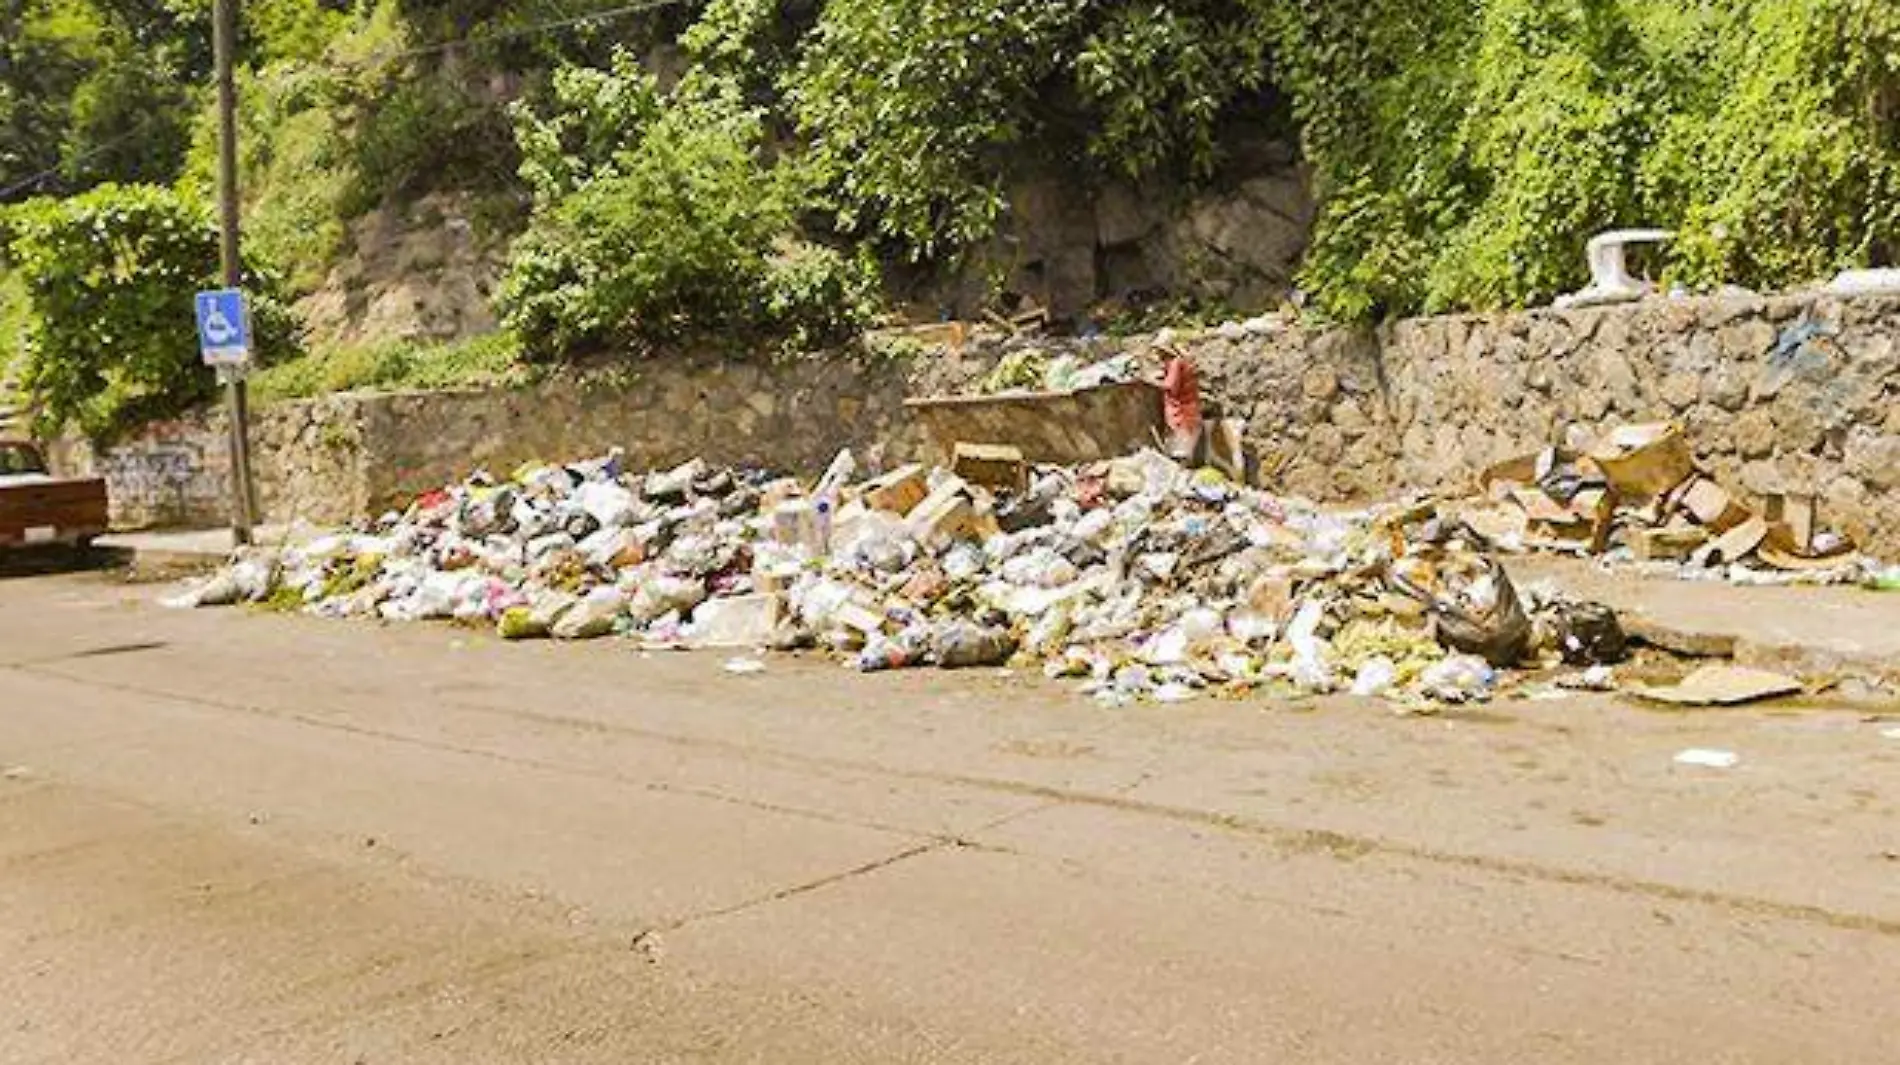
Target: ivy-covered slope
<point x="747" y="168"/>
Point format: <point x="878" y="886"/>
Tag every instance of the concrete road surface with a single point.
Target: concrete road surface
<point x="231" y="837"/>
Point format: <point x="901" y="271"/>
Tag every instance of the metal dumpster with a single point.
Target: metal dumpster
<point x="1058" y="428"/>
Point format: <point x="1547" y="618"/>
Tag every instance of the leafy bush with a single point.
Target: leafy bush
<point x="1159" y="79"/>
<point x="293" y="30"/>
<point x="109" y="278"/>
<point x="127" y="122"/>
<point x="658" y="218"/>
<point x="918" y="112"/>
<point x="14" y="316"/>
<point x="427" y="131"/>
<point x="1785" y="158"/>
<point x="95" y="90"/>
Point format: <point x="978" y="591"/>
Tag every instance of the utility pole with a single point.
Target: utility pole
<point x="223" y="44"/>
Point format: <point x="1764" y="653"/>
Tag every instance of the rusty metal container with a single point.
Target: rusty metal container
<point x="1059" y="428"/>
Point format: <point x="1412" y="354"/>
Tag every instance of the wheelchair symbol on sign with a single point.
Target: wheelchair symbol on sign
<point x="218" y="328"/>
<point x="223" y="328"/>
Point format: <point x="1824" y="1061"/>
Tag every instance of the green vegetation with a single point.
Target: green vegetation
<point x="15" y="315"/>
<point x="749" y="170"/>
<point x="1467" y="150"/>
<point x="1464" y="152"/>
<point x="918" y="112"/>
<point x="109" y="277"/>
<point x="395" y="366"/>
<point x="657" y="217"/>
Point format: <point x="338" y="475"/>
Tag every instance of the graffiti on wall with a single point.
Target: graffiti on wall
<point x="171" y="475"/>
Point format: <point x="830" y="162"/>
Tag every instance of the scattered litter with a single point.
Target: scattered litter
<point x="1706" y="758"/>
<point x="1886" y="579"/>
<point x="743" y="667"/>
<point x="1459" y="679"/>
<point x="1880" y="282"/>
<point x="1610" y="280"/>
<point x="1721" y="686"/>
<point x="1142" y="578"/>
<point x="1594" y="679"/>
<point x="1375" y="677"/>
<point x="1032" y="370"/>
<point x="1638" y="495"/>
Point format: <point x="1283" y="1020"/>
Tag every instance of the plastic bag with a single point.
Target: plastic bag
<point x="965" y="645"/>
<point x="1458" y="679"/>
<point x="1375" y="677"/>
<point x="1312" y="658"/>
<point x="591" y="618"/>
<point x="665" y="594"/>
<point x="1585" y="634"/>
<point x="1481" y="616"/>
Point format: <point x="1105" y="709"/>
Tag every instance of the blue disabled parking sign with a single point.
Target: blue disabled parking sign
<point x="224" y="328"/>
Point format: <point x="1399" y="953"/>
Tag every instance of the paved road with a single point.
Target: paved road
<point x="240" y="838"/>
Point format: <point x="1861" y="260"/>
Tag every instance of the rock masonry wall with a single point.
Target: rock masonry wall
<point x="342" y="457"/>
<point x="1786" y="394"/>
<point x="1781" y="394"/>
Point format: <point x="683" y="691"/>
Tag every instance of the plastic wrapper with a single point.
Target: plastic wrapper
<point x="963" y="645"/>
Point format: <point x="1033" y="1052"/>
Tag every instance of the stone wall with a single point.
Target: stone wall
<point x="1782" y="394"/>
<point x="342" y="457"/>
<point x="1779" y="394"/>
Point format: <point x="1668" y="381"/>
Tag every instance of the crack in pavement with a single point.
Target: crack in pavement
<point x="1295" y="839"/>
<point x="806" y="887"/>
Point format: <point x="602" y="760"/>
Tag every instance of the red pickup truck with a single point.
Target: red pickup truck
<point x="39" y="510"/>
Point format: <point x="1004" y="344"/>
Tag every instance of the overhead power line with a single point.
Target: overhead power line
<point x="604" y="15"/>
<point x="83" y="157"/>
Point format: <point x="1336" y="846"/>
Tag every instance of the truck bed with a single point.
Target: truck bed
<point x="37" y="510"/>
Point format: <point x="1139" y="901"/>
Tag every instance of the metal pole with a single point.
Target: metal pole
<point x="223" y="44"/>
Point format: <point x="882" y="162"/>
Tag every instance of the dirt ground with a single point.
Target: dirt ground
<point x="233" y="837"/>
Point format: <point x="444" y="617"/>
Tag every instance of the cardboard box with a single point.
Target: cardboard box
<point x="1791" y="523"/>
<point x="946" y="514"/>
<point x="897" y="492"/>
<point x="1671" y="544"/>
<point x="1712" y="507"/>
<point x="1643" y="461"/>
<point x="1736" y="544"/>
<point x="998" y="467"/>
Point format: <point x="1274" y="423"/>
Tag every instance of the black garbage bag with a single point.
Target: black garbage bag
<point x="1586" y="634"/>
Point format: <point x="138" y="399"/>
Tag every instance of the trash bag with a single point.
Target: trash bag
<point x="592" y="618"/>
<point x="1458" y="679"/>
<point x="520" y="623"/>
<point x="254" y="575"/>
<point x="962" y="645"/>
<point x="882" y="653"/>
<point x="1494" y="628"/>
<point x="1585" y="634"/>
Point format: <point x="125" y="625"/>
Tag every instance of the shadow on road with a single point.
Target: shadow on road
<point x="48" y="561"/>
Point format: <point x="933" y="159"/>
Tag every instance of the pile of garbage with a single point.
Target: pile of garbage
<point x="1033" y="370"/>
<point x="1638" y="496"/>
<point x="1142" y="578"/>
